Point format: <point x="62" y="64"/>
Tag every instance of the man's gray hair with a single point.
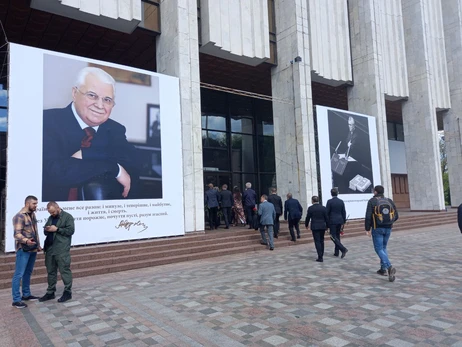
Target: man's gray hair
<point x="248" y="185"/>
<point x="100" y="74"/>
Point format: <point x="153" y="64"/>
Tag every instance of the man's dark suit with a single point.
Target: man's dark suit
<point x="249" y="199"/>
<point x="277" y="203"/>
<point x="337" y="217"/>
<point x="293" y="213"/>
<point x="226" y="202"/>
<point x="459" y="217"/>
<point x="62" y="137"/>
<point x="317" y="214"/>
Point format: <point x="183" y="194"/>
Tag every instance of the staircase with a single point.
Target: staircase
<point x="129" y="255"/>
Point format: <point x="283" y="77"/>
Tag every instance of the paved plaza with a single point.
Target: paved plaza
<point x="279" y="298"/>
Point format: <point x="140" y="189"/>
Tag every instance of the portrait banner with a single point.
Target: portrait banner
<point x="348" y="157"/>
<point x="92" y="136"/>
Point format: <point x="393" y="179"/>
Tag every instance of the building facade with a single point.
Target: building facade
<point x="252" y="71"/>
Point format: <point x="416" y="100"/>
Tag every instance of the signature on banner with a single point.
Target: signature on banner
<point x="128" y="225"/>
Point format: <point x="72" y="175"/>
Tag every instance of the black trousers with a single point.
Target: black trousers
<point x="226" y="215"/>
<point x="335" y="237"/>
<point x="249" y="214"/>
<point x="318" y="236"/>
<point x="213" y="217"/>
<point x="294" y="223"/>
<point x="276" y="224"/>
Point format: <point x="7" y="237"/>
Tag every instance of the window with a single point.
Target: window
<point x="150" y="14"/>
<point x="395" y="131"/>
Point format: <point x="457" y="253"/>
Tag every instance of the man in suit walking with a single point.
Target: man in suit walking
<point x="226" y="202"/>
<point x="276" y="200"/>
<point x="267" y="215"/>
<point x="212" y="199"/>
<point x="249" y="199"/>
<point x="86" y="155"/>
<point x="337" y="217"/>
<point x="317" y="214"/>
<point x="293" y="213"/>
<point x="459" y="217"/>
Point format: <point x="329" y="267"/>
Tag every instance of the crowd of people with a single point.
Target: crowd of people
<point x="242" y="209"/>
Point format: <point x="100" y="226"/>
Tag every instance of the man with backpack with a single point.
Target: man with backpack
<point x="381" y="213"/>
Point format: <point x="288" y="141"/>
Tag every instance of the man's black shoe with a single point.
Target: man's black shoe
<point x="19" y="304"/>
<point x="262" y="243"/>
<point x="30" y="298"/>
<point x="298" y="236"/>
<point x="47" y="297"/>
<point x="275" y="236"/>
<point x="344" y="253"/>
<point x="271" y="249"/>
<point x="65" y="297"/>
<point x="319" y="260"/>
<point x="382" y="272"/>
<point x="335" y="255"/>
<point x="391" y="274"/>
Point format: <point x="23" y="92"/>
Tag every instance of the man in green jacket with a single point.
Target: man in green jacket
<point x="58" y="230"/>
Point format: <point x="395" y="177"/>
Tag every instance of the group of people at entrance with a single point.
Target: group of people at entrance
<point x="381" y="213"/>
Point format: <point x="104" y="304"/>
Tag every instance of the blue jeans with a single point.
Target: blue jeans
<point x="270" y="234"/>
<point x="25" y="262"/>
<point x="380" y="238"/>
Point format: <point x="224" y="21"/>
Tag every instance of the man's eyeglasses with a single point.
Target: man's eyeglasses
<point x="95" y="97"/>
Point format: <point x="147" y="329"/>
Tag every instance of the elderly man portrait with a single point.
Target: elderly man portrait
<point x="86" y="155"/>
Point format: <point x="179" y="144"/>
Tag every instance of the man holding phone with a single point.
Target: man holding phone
<point x="59" y="229"/>
<point x="27" y="245"/>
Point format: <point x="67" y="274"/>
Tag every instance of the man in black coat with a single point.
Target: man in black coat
<point x="459" y="217"/>
<point x="249" y="200"/>
<point x="293" y="213"/>
<point x="337" y="217"/>
<point x="317" y="214"/>
<point x="276" y="200"/>
<point x="212" y="202"/>
<point x="226" y="202"/>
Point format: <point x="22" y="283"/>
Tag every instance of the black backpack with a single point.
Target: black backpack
<point x="384" y="213"/>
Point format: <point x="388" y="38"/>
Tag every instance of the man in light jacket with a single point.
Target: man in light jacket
<point x="267" y="215"/>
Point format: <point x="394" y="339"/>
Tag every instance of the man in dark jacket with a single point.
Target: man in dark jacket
<point x="293" y="213"/>
<point x="337" y="217"/>
<point x="381" y="231"/>
<point x="459" y="217"/>
<point x="249" y="199"/>
<point x="59" y="229"/>
<point x="226" y="202"/>
<point x="212" y="199"/>
<point x="276" y="200"/>
<point x="317" y="214"/>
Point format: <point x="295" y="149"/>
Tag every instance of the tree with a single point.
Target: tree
<point x="444" y="170"/>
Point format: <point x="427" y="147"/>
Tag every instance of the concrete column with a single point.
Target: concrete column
<point x="367" y="96"/>
<point x="452" y="17"/>
<point x="419" y="112"/>
<point x="293" y="123"/>
<point x="178" y="55"/>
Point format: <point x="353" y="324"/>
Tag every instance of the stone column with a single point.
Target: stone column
<point x="452" y="17"/>
<point x="293" y="123"/>
<point x="419" y="112"/>
<point x="367" y="96"/>
<point x="178" y="55"/>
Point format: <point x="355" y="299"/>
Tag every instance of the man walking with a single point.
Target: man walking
<point x="317" y="214"/>
<point x="59" y="229"/>
<point x="337" y="217"/>
<point x="212" y="199"/>
<point x="276" y="200"/>
<point x="381" y="213"/>
<point x="267" y="215"/>
<point x="226" y="202"/>
<point x="250" y="200"/>
<point x="27" y="245"/>
<point x="293" y="213"/>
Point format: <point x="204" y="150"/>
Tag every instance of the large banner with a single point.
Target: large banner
<point x="97" y="138"/>
<point x="348" y="157"/>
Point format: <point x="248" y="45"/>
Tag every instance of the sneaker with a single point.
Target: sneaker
<point x="30" y="298"/>
<point x="19" y="304"/>
<point x="65" y="297"/>
<point x="382" y="272"/>
<point x="47" y="297"/>
<point x="391" y="274"/>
